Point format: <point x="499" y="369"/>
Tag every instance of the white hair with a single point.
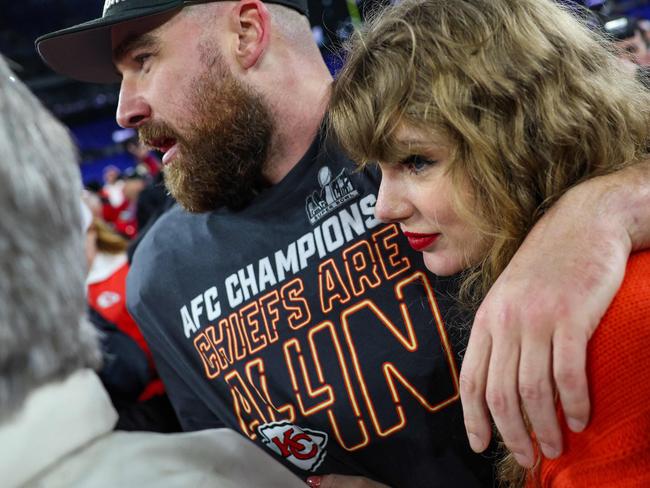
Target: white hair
<point x="43" y="335"/>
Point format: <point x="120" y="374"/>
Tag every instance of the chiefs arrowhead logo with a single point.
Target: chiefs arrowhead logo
<point x="304" y="448"/>
<point x="107" y="299"/>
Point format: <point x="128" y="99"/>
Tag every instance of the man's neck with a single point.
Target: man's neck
<point x="298" y="118"/>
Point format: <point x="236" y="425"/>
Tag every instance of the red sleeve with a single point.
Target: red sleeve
<point x="614" y="449"/>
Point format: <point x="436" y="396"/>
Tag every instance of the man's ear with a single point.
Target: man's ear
<point x="253" y="26"/>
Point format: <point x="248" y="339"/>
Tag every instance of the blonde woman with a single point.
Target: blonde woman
<point x="481" y="115"/>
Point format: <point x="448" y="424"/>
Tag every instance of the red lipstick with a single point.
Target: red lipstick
<point x="420" y="242"/>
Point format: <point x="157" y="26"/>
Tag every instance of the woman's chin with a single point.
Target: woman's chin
<point x="442" y="264"/>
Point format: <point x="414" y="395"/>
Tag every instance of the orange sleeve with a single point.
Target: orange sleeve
<point x="614" y="449"/>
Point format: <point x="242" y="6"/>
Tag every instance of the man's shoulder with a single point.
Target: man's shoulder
<point x="165" y="244"/>
<point x="175" y="216"/>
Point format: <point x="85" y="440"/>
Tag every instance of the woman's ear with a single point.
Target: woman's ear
<point x="252" y="22"/>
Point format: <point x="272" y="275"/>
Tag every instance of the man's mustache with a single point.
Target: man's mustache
<point x="153" y="133"/>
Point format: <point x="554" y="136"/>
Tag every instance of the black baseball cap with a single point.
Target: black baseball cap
<point x="84" y="52"/>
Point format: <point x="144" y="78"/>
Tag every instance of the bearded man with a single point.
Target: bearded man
<point x="276" y="304"/>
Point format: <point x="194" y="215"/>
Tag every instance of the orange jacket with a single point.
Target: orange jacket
<point x="614" y="449"/>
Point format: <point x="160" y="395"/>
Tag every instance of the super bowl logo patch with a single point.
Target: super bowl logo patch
<point x="304" y="448"/>
<point x="334" y="192"/>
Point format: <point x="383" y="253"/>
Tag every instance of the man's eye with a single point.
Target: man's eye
<point x="417" y="164"/>
<point x="141" y="58"/>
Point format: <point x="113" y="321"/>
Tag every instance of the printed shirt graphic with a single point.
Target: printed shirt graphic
<point x="333" y="193"/>
<point x="303" y="448"/>
<point x="311" y="328"/>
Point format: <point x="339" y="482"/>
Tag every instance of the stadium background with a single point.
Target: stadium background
<point x="88" y="109"/>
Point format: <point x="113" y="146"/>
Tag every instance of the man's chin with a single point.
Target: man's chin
<point x="197" y="201"/>
<point x="196" y="208"/>
<point x="220" y="156"/>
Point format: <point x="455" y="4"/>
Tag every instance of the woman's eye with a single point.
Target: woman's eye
<point x="417" y="164"/>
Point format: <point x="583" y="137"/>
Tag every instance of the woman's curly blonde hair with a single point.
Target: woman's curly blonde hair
<point x="531" y="101"/>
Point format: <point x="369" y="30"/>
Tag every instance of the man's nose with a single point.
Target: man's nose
<point x="132" y="109"/>
<point x="392" y="202"/>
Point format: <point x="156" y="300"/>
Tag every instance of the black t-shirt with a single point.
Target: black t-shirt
<point x="311" y="328"/>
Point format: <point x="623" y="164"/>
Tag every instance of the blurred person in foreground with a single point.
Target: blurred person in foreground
<point x="481" y="116"/>
<point x="275" y="302"/>
<point x="56" y="420"/>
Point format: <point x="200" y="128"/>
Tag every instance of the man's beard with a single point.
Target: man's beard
<point x="222" y="153"/>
